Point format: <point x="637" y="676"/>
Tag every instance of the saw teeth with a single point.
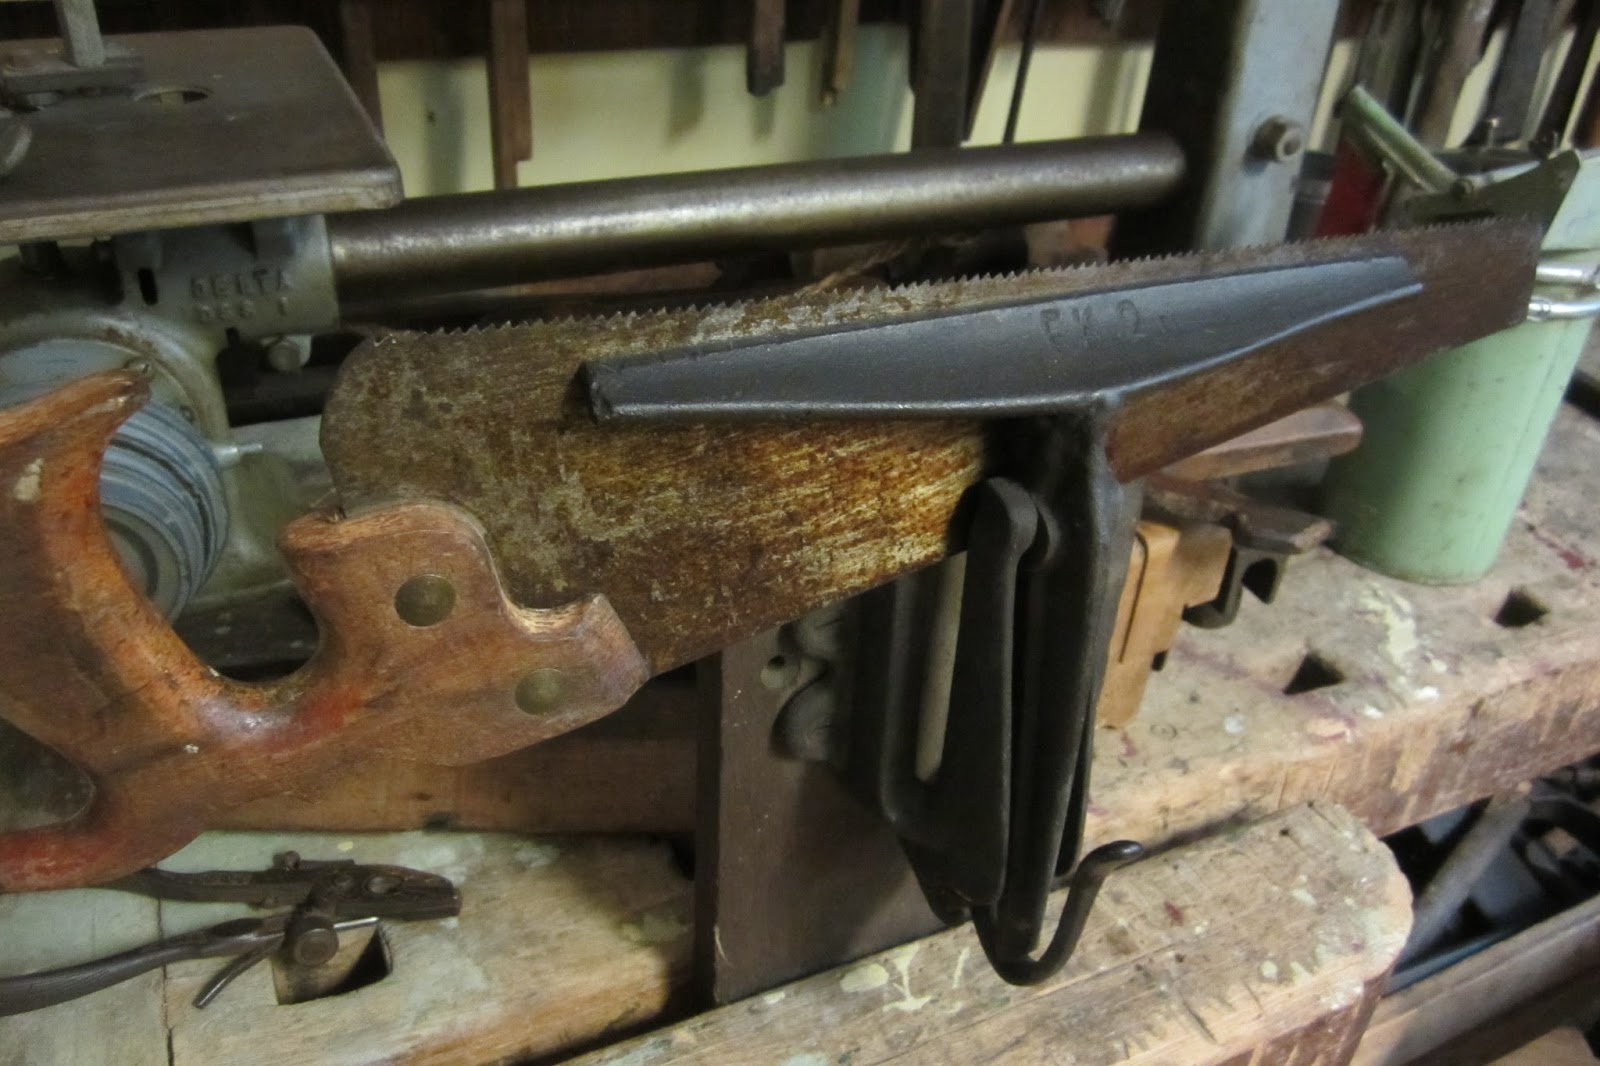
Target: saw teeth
<point x="860" y="303"/>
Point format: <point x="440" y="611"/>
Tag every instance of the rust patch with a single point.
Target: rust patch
<point x="702" y="535"/>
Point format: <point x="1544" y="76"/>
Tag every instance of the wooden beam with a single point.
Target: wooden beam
<point x="1273" y="942"/>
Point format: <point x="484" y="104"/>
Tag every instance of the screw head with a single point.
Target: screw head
<point x="425" y="600"/>
<point x="1278" y="140"/>
<point x="287" y="357"/>
<point x="541" y="691"/>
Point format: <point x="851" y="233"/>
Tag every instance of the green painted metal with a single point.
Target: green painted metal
<point x="1447" y="451"/>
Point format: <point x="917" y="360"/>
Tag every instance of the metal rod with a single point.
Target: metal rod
<point x="1366" y="118"/>
<point x="474" y="241"/>
<point x="1449" y="888"/>
<point x="80" y="32"/>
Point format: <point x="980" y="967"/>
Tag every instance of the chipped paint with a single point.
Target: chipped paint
<point x="536" y="854"/>
<point x="864" y="978"/>
<point x="901" y="958"/>
<point x="1326" y="727"/>
<point x="26" y="490"/>
<point x="654" y="927"/>
<point x="1398" y="618"/>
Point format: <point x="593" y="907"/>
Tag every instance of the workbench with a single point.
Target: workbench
<point x="1261" y="931"/>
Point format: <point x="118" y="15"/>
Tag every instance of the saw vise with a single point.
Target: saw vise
<point x="930" y="483"/>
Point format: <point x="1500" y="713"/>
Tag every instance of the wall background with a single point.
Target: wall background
<point x="610" y="114"/>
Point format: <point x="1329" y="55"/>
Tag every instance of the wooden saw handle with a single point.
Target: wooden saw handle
<point x="88" y="667"/>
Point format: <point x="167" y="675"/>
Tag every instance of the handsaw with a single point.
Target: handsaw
<point x="700" y="535"/>
<point x="503" y="569"/>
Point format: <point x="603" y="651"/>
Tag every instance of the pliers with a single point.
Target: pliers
<point x="324" y="899"/>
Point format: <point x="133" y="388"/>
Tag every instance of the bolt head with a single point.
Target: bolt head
<point x="287" y="357"/>
<point x="315" y="946"/>
<point x="1278" y="140"/>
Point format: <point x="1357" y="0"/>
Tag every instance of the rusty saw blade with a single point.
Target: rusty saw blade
<point x="702" y="534"/>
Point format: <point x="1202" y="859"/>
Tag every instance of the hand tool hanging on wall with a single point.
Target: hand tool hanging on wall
<point x="1019" y="86"/>
<point x="839" y="48"/>
<point x="1506" y="112"/>
<point x="1454" y="48"/>
<point x="941" y="57"/>
<point x="1563" y="100"/>
<point x="360" y="56"/>
<point x="325" y="899"/>
<point x="763" y="68"/>
<point x="510" y="93"/>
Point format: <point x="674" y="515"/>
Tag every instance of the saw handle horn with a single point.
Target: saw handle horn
<point x="422" y="656"/>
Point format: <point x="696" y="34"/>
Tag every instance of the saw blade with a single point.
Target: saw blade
<point x="703" y="534"/>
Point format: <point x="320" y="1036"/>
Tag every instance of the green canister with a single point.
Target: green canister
<point x="1449" y="444"/>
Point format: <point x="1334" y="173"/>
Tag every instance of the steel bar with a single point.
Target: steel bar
<point x="80" y="32"/>
<point x="483" y="240"/>
<point x="1449" y="888"/>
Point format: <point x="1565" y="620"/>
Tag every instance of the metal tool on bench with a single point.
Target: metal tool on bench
<point x="479" y="508"/>
<point x="1081" y="367"/>
<point x="325" y="899"/>
<point x="1047" y="541"/>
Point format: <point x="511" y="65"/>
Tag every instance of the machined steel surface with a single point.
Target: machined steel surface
<point x="227" y="126"/>
<point x="483" y="240"/>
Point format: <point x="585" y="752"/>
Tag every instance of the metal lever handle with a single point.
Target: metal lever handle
<point x="1003" y="814"/>
<point x="1082" y="891"/>
<point x="31" y="991"/>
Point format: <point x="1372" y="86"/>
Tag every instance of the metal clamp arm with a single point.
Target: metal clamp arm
<point x="242" y="936"/>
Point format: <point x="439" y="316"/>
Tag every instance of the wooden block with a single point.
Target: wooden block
<point x="122" y="1024"/>
<point x="1270" y="942"/>
<point x="1169" y="569"/>
<point x="632" y="772"/>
